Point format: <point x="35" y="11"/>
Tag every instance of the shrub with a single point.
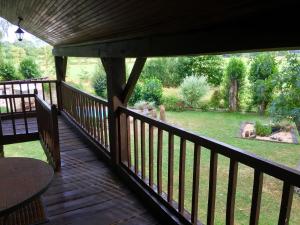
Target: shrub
<point x="8" y="72"/>
<point x="99" y="82"/>
<point x="173" y="103"/>
<point x="29" y="69"/>
<point x="215" y="100"/>
<point x="192" y="89"/>
<point x="152" y="90"/>
<point x="262" y="129"/>
<point x="137" y="94"/>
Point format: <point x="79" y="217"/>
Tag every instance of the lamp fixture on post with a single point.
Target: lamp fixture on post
<point x="19" y="32"/>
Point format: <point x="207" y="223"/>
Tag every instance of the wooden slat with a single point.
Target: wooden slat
<point x="159" y="161"/>
<point x="143" y="150"/>
<point x="286" y="204"/>
<point x="170" y="167"/>
<point x="136" y="148"/>
<point x="256" y="197"/>
<point x="181" y="191"/>
<point x="150" y="155"/>
<point x="128" y="142"/>
<point x="212" y="187"/>
<point x="195" y="189"/>
<point x="232" y="180"/>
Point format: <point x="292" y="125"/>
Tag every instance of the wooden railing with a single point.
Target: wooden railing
<point x="45" y="88"/>
<point x="48" y="131"/>
<point x="88" y="112"/>
<point x="147" y="164"/>
<point x="16" y="118"/>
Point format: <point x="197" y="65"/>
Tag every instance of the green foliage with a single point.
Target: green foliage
<point x="209" y="66"/>
<point x="192" y="89"/>
<point x="29" y="69"/>
<point x="287" y="104"/>
<point x="99" y="81"/>
<point x="263" y="129"/>
<point x="152" y="90"/>
<point x="235" y="73"/>
<point x="8" y="72"/>
<point x="137" y="94"/>
<point x="216" y="99"/>
<point x="262" y="70"/>
<point x="173" y="103"/>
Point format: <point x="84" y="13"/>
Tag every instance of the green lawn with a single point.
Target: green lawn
<point x="225" y="127"/>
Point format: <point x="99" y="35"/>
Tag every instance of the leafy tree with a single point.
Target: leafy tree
<point x="209" y="66"/>
<point x="234" y="80"/>
<point x="99" y="81"/>
<point x="8" y="72"/>
<point x="152" y="90"/>
<point x="287" y="104"/>
<point x="137" y="94"/>
<point x="192" y="89"/>
<point x="263" y="68"/>
<point x="29" y="69"/>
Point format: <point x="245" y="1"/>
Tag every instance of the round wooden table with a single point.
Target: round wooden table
<point x="22" y="180"/>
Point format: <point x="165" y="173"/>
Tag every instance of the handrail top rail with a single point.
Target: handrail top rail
<point x="96" y="98"/>
<point x="43" y="103"/>
<point x="17" y="96"/>
<point x="26" y="81"/>
<point x="252" y="160"/>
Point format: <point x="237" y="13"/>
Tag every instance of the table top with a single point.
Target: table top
<point x="21" y="180"/>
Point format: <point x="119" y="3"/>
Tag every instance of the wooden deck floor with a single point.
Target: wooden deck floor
<point x="87" y="192"/>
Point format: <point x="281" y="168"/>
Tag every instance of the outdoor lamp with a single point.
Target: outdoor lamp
<point x="19" y="32"/>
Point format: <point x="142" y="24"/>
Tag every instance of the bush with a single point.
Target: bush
<point x="215" y="100"/>
<point x="262" y="129"/>
<point x="173" y="103"/>
<point x="8" y="72"/>
<point x="152" y="90"/>
<point x="99" y="82"/>
<point x="29" y="69"/>
<point x="192" y="89"/>
<point x="137" y="94"/>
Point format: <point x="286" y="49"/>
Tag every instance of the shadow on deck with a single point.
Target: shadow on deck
<point x="86" y="191"/>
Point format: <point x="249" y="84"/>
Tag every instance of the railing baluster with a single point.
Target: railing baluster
<point x="136" y="151"/>
<point x="6" y="102"/>
<point x="256" y="197"/>
<point x="105" y="126"/>
<point x="212" y="187"/>
<point x="286" y="204"/>
<point x="101" y="124"/>
<point x="150" y="155"/>
<point x="159" y="161"/>
<point x="170" y="167"/>
<point x="29" y="101"/>
<point x="128" y="141"/>
<point x="233" y="169"/>
<point x="12" y="117"/>
<point x="43" y="91"/>
<point x="182" y="175"/>
<point x="196" y="177"/>
<point x="143" y="148"/>
<point x="50" y="93"/>
<point x="25" y="114"/>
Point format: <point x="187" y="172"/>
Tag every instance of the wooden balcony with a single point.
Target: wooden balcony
<point x="89" y="187"/>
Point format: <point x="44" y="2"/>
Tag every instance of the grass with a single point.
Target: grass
<point x="224" y="127"/>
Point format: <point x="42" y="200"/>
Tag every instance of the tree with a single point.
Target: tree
<point x="152" y="90"/>
<point x="8" y="72"/>
<point x="209" y="66"/>
<point x="192" y="89"/>
<point x="235" y="74"/>
<point x="263" y="68"/>
<point x="287" y="104"/>
<point x="99" y="81"/>
<point x="29" y="69"/>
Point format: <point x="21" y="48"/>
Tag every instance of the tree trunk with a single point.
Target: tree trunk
<point x="262" y="108"/>
<point x="233" y="92"/>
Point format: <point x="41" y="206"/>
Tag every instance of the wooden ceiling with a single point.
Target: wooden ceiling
<point x="69" y="22"/>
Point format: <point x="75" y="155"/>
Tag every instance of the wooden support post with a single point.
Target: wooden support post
<point x="116" y="80"/>
<point x="61" y="69"/>
<point x="1" y="151"/>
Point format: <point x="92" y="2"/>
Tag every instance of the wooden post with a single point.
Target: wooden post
<point x="1" y="151"/>
<point x="61" y="69"/>
<point x="116" y="81"/>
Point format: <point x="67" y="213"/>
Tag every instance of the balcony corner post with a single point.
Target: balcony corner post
<point x="61" y="69"/>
